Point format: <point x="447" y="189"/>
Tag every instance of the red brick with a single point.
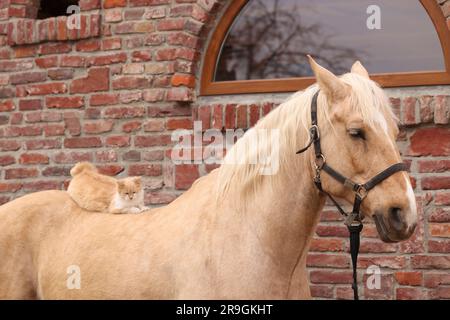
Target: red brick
<point x="106" y="156"/>
<point x="131" y="126"/>
<point x="408" y="278"/>
<point x="174" y="124"/>
<point x="185" y="175"/>
<point x="154" y="126"/>
<point x="10" y="187"/>
<point x="230" y="116"/>
<point x="73" y="125"/>
<point x="33" y="158"/>
<point x="28" y="77"/>
<point x="440" y="230"/>
<point x="392" y="262"/>
<point x="42" y="185"/>
<point x="442" y="198"/>
<point x="108" y="59"/>
<point x="153" y="95"/>
<point x="7" y="105"/>
<point x="151" y="141"/>
<point x="409" y="110"/>
<point x="145" y="170"/>
<point x="130" y="82"/>
<point x="435" y="183"/>
<point x="47" y="62"/>
<point x="434" y="280"/>
<point x="111" y="170"/>
<point x="321" y="291"/>
<point x="430" y="262"/>
<point x="442" y="110"/>
<point x="204" y="115"/>
<point x="65" y="102"/>
<point x="73" y="61"/>
<point x="142" y="55"/>
<point x="117" y="141"/>
<point x="439" y="246"/>
<point x="439" y="293"/>
<point x="83" y="142"/>
<point x="330" y="276"/>
<point x="434" y="166"/>
<point x="21" y="173"/>
<point x="60" y="74"/>
<point x="430" y="141"/>
<point x="323" y="245"/>
<point x="42" y="144"/>
<point x="54" y="130"/>
<point x="7" y="160"/>
<point x="124" y="112"/>
<point x="332" y="231"/>
<point x="183" y="80"/>
<point x="241" y="116"/>
<point x="410" y="294"/>
<point x="96" y="80"/>
<point x="86" y="5"/>
<point x="45" y="89"/>
<point x="88" y="45"/>
<point x="103" y="99"/>
<point x="114" y="3"/>
<point x="327" y="261"/>
<point x="98" y="127"/>
<point x="55" y="48"/>
<point x="169" y="111"/>
<point x="72" y="157"/>
<point x="9" y="145"/>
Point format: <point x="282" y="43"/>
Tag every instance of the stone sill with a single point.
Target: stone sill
<point x="32" y="31"/>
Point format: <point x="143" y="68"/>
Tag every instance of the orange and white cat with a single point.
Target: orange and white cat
<point x="93" y="191"/>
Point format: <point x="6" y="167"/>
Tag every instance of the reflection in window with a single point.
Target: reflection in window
<point x="270" y="38"/>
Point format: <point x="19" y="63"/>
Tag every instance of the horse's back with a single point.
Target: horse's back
<point x="23" y="223"/>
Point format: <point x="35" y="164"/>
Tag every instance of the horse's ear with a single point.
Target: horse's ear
<point x="335" y="89"/>
<point x="358" y="68"/>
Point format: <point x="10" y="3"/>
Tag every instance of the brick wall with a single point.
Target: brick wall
<point x="113" y="91"/>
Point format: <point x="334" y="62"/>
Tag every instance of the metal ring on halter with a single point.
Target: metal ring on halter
<point x="361" y="192"/>
<point x="319" y="161"/>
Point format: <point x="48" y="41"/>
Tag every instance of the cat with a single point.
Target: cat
<point x="93" y="191"/>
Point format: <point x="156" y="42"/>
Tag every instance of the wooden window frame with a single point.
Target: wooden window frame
<point x="401" y="79"/>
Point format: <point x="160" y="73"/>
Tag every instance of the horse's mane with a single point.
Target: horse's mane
<point x="241" y="174"/>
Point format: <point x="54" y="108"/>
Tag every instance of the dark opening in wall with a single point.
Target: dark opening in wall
<point x="55" y="8"/>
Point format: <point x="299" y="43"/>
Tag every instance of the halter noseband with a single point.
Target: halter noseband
<point x="353" y="219"/>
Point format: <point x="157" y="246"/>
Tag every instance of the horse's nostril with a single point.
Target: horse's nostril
<point x="395" y="214"/>
<point x="395" y="218"/>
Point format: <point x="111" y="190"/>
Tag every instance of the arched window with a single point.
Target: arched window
<point x="260" y="45"/>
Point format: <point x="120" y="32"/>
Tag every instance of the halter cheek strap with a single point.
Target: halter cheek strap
<point x="353" y="219"/>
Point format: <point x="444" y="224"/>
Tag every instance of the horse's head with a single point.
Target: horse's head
<point x="358" y="140"/>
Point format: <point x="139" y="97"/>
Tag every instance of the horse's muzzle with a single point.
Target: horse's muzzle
<point x="392" y="228"/>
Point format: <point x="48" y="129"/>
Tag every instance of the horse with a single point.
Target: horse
<point x="236" y="233"/>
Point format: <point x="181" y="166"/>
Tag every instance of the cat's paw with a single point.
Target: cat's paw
<point x="143" y="208"/>
<point x="134" y="210"/>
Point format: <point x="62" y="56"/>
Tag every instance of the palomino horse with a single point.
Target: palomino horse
<point x="235" y="234"/>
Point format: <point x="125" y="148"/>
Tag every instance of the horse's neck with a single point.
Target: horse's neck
<point x="282" y="217"/>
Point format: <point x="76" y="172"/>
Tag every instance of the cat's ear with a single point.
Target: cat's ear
<point x="137" y="181"/>
<point x="120" y="184"/>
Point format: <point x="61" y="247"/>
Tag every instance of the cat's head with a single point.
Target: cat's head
<point x="129" y="188"/>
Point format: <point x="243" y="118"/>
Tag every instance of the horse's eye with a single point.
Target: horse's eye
<point x="357" y="133"/>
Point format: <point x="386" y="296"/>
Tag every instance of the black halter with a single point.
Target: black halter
<point x="353" y="219"/>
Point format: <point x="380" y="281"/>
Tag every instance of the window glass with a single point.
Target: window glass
<point x="270" y="38"/>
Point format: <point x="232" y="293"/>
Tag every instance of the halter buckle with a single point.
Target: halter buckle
<point x="353" y="219"/>
<point x="319" y="162"/>
<point x="361" y="191"/>
<point x="314" y="132"/>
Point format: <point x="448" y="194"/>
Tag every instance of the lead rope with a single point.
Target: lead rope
<point x="355" y="231"/>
